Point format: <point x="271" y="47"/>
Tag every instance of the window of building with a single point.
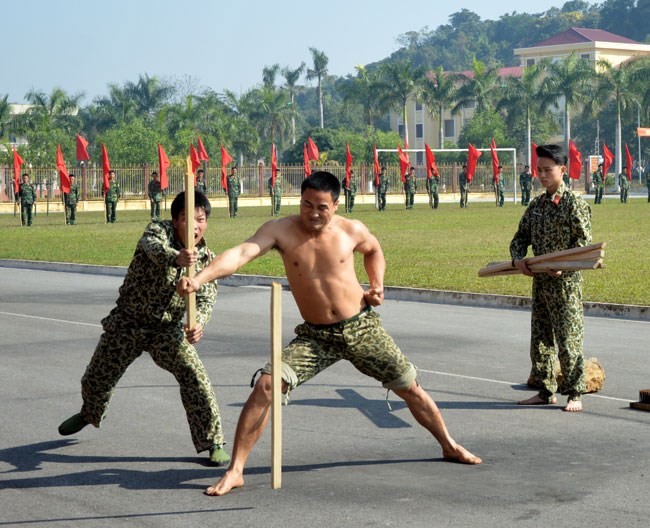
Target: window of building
<point x="585" y="56"/>
<point x="418" y="106"/>
<point x="419" y="131"/>
<point x="419" y="158"/>
<point x="530" y="62"/>
<point x="450" y="128"/>
<point x="400" y="130"/>
<point x="469" y="105"/>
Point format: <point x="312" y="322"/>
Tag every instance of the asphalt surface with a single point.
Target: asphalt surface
<point x="348" y="459"/>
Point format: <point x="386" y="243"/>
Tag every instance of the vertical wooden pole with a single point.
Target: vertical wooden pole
<point x="276" y="375"/>
<point x="190" y="302"/>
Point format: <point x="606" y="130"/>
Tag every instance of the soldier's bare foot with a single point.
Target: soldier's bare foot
<point x="461" y="455"/>
<point x="538" y="400"/>
<point x="229" y="481"/>
<point x="573" y="406"/>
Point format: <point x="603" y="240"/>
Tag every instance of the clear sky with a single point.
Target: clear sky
<point x="81" y="46"/>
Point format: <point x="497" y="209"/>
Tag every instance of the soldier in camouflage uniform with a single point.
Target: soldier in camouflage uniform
<point x="498" y="187"/>
<point x="463" y="184"/>
<point x="27" y="196"/>
<point x="432" y="190"/>
<point x="201" y="186"/>
<point x="111" y="196"/>
<point x="624" y="184"/>
<point x="71" y="199"/>
<point x="382" y="189"/>
<point x="149" y="317"/>
<point x="410" y="188"/>
<point x="350" y="192"/>
<point x="598" y="183"/>
<point x="275" y="191"/>
<point x="233" y="190"/>
<point x="647" y="180"/>
<point x="317" y="248"/>
<point x="155" y="196"/>
<point x="555" y="221"/>
<point x="526" y="184"/>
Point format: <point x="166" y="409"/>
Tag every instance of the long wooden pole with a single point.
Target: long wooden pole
<point x="190" y="302"/>
<point x="276" y="375"/>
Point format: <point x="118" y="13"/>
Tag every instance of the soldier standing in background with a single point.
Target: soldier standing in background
<point x="71" y="199"/>
<point x="463" y="184"/>
<point x="498" y="187"/>
<point x="201" y="186"/>
<point x="432" y="190"/>
<point x="155" y="196"/>
<point x="624" y="184"/>
<point x="275" y="191"/>
<point x="382" y="189"/>
<point x="27" y="196"/>
<point x="526" y="184"/>
<point x="410" y="188"/>
<point x="234" y="188"/>
<point x="647" y="180"/>
<point x="597" y="182"/>
<point x="111" y="196"/>
<point x="350" y="192"/>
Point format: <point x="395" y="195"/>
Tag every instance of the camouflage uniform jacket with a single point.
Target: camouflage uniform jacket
<point x="27" y="194"/>
<point x="113" y="193"/>
<point x="72" y="197"/>
<point x="463" y="182"/>
<point x="432" y="184"/>
<point x="623" y="181"/>
<point x="201" y="186"/>
<point x="597" y="179"/>
<point x="352" y="186"/>
<point x="155" y="192"/>
<point x="410" y="184"/>
<point x="383" y="184"/>
<point x="234" y="186"/>
<point x="526" y="181"/>
<point x="553" y="223"/>
<point x="148" y="295"/>
<point x="275" y="190"/>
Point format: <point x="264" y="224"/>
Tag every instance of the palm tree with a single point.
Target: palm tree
<point x="272" y="113"/>
<point x="399" y="81"/>
<point x="5" y="115"/>
<point x="568" y="82"/>
<point x="479" y="86"/>
<point x="438" y="92"/>
<point x="319" y="71"/>
<point x="364" y="90"/>
<point x="149" y="94"/>
<point x="57" y="110"/>
<point x="269" y="73"/>
<point x="291" y="78"/>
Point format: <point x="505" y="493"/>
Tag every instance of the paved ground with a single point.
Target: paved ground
<point x="348" y="460"/>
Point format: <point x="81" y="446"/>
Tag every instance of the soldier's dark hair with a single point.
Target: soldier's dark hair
<point x="154" y="173"/>
<point x="322" y="181"/>
<point x="554" y="152"/>
<point x="25" y="174"/>
<point x="200" y="202"/>
<point x="72" y="175"/>
<point x="200" y="171"/>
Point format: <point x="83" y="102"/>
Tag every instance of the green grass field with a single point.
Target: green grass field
<point x="440" y="249"/>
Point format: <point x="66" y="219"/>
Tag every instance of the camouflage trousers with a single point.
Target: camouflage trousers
<point x="120" y="345"/>
<point x="155" y="209"/>
<point x="361" y="340"/>
<point x="233" y="205"/>
<point x="557" y="320"/>
<point x="70" y="214"/>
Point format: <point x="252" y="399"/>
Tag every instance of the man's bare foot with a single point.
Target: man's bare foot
<point x="537" y="400"/>
<point x="573" y="406"/>
<point x="230" y="480"/>
<point x="461" y="455"/>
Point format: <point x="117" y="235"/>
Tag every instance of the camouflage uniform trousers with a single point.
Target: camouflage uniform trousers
<point x="361" y="340"/>
<point x="233" y="200"/>
<point x="111" y="207"/>
<point x="557" y="318"/>
<point x="120" y="345"/>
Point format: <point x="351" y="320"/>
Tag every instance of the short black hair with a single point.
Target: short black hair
<point x="322" y="181"/>
<point x="200" y="171"/>
<point x="552" y="151"/>
<point x="72" y="175"/>
<point x="154" y="173"/>
<point x="200" y="202"/>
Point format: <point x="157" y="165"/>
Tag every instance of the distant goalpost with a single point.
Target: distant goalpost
<point x="510" y="150"/>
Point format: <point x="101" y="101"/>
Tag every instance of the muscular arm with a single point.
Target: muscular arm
<point x="374" y="264"/>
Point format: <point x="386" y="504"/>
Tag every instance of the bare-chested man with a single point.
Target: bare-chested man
<point x="317" y="248"/>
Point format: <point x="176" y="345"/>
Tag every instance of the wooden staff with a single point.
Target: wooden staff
<point x="190" y="302"/>
<point x="276" y="381"/>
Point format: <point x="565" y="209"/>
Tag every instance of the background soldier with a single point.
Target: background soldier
<point x="382" y="189"/>
<point x="71" y="199"/>
<point x="155" y="196"/>
<point x="234" y="188"/>
<point x="111" y="196"/>
<point x="597" y="181"/>
<point x="275" y="192"/>
<point x="498" y="187"/>
<point x="201" y="186"/>
<point x="432" y="190"/>
<point x="350" y="192"/>
<point x="463" y="183"/>
<point x="526" y="184"/>
<point x="27" y="196"/>
<point x="410" y="188"/>
<point x="624" y="184"/>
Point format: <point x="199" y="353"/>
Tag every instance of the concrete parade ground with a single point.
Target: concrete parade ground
<point x="348" y="459"/>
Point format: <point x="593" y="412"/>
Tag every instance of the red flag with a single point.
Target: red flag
<point x="163" y="165"/>
<point x="533" y="159"/>
<point x="377" y="167"/>
<point x="473" y="154"/>
<point x="225" y="159"/>
<point x="18" y="161"/>
<point x="495" y="161"/>
<point x="64" y="178"/>
<point x="203" y="154"/>
<point x="312" y="150"/>
<point x="195" y="160"/>
<point x="404" y="162"/>
<point x="575" y="161"/>
<point x="348" y="165"/>
<point x="305" y="157"/>
<point x="628" y="163"/>
<point x="432" y="168"/>
<point x="608" y="159"/>
<point x="274" y="164"/>
<point x="106" y="168"/>
<point x="82" y="149"/>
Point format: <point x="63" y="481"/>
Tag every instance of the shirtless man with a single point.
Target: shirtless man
<point x="317" y="248"/>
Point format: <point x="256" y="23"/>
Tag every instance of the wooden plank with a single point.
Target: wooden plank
<point x="276" y="375"/>
<point x="190" y="301"/>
